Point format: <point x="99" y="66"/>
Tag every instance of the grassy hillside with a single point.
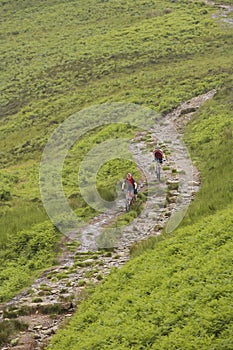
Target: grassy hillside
<point x="59" y="57"/>
<point x="209" y="138"/>
<point x="176" y="296"/>
<point x="177" y="291"/>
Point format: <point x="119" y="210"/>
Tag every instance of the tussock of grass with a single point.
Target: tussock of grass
<point x="8" y="328"/>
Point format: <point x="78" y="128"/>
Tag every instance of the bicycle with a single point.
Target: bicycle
<point x="158" y="168"/>
<point x="129" y="199"/>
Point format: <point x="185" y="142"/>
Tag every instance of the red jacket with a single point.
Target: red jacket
<point x="158" y="154"/>
<point x="131" y="181"/>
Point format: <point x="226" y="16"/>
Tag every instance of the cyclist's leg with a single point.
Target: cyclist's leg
<point x="128" y="197"/>
<point x="135" y="192"/>
<point x="131" y="192"/>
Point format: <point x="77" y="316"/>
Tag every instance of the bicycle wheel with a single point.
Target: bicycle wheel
<point x="127" y="204"/>
<point x="158" y="170"/>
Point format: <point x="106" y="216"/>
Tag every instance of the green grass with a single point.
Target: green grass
<point x="24" y="255"/>
<point x="58" y="58"/>
<point x="177" y="291"/>
<point x="8" y="328"/>
<point x="209" y="138"/>
<point x="177" y="295"/>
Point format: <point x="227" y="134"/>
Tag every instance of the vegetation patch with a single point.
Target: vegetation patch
<point x="177" y="291"/>
<point x="8" y="328"/>
<point x="25" y="255"/>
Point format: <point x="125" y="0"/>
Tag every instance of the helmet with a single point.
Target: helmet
<point x="129" y="176"/>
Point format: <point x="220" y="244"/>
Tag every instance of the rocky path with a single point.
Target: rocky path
<point x="55" y="295"/>
<point x="45" y="306"/>
<point x="225" y="11"/>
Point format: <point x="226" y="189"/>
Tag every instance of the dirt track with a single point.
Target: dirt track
<point x="60" y="289"/>
<point x="63" y="287"/>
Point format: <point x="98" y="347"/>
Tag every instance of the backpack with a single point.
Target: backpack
<point x="158" y="154"/>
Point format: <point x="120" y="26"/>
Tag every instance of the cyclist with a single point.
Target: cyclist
<point x="131" y="185"/>
<point x="159" y="155"/>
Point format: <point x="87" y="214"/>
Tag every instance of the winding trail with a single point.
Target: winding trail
<point x="53" y="297"/>
<point x="181" y="176"/>
<point x="61" y="288"/>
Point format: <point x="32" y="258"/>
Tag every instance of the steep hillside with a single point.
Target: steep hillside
<point x="178" y="292"/>
<point x="178" y="295"/>
<point x="59" y="58"/>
